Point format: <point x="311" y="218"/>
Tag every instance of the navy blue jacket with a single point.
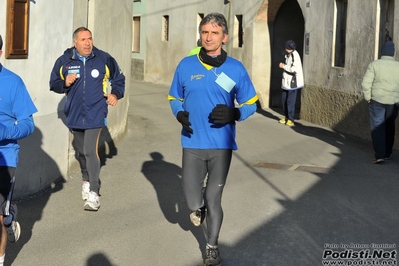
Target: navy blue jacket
<point x="85" y="106"/>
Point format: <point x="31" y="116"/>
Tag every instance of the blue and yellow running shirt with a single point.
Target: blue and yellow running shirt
<point x="16" y="105"/>
<point x="197" y="88"/>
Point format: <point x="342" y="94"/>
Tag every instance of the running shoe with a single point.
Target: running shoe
<point x="93" y="202"/>
<point x="289" y="123"/>
<point x="283" y="120"/>
<point x="378" y="161"/>
<point x="198" y="216"/>
<point x="85" y="190"/>
<point x="212" y="256"/>
<point x="13" y="229"/>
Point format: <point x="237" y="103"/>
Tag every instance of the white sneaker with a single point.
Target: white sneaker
<point x="14" y="229"/>
<point x="92" y="202"/>
<point x="212" y="256"/>
<point x="85" y="190"/>
<point x="198" y="216"/>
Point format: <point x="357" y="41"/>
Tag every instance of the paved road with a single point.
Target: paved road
<point x="291" y="193"/>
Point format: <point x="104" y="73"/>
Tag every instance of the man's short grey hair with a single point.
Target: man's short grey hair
<point x="75" y="33"/>
<point x="215" y="18"/>
<point x="1" y="43"/>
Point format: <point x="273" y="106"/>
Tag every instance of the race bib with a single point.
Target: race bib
<point x="225" y="82"/>
<point x="76" y="70"/>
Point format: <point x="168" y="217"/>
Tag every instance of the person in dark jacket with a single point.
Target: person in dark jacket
<point x="83" y="73"/>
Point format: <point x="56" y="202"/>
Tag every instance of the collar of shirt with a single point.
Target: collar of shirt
<point x="81" y="57"/>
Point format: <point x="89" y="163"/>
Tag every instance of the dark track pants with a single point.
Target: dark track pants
<point x="7" y="181"/>
<point x="85" y="143"/>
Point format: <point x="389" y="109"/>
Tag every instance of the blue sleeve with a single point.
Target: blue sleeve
<point x="246" y="111"/>
<point x="57" y="81"/>
<point x="22" y="104"/>
<point x="19" y="130"/>
<point x="246" y="96"/>
<point x="176" y="106"/>
<point x="117" y="78"/>
<point x="176" y="96"/>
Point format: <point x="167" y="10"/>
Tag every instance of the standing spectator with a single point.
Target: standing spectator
<point x="202" y="97"/>
<point x="81" y="73"/>
<point x="381" y="91"/>
<point x="292" y="81"/>
<point x="16" y="122"/>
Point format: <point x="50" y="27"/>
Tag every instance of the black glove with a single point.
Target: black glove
<point x="182" y="117"/>
<point x="223" y="114"/>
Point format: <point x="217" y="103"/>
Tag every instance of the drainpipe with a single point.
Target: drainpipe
<point x="87" y="14"/>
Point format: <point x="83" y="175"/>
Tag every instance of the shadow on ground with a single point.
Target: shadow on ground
<point x="166" y="180"/>
<point x="355" y="203"/>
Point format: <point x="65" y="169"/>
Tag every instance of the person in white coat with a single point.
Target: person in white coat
<point x="381" y="91"/>
<point x="291" y="82"/>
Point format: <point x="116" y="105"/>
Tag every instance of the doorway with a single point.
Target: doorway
<point x="289" y="24"/>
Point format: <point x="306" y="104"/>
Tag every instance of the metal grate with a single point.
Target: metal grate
<point x="294" y="167"/>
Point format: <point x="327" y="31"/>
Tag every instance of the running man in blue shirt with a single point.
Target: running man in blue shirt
<point x="16" y="122"/>
<point x="202" y="96"/>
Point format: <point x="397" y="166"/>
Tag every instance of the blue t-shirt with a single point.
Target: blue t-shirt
<point x="197" y="88"/>
<point x="15" y="104"/>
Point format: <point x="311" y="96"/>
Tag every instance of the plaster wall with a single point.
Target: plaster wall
<point x="162" y="57"/>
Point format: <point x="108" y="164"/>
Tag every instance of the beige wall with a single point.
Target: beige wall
<point x="45" y="155"/>
<point x="162" y="57"/>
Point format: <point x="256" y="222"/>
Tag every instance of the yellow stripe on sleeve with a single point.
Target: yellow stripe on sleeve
<point x="62" y="76"/>
<point x="250" y="101"/>
<point x="171" y="98"/>
<point x="105" y="80"/>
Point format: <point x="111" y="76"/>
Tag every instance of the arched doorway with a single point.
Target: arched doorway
<point x="288" y="24"/>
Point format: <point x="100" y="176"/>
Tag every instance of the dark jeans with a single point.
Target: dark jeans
<point x="288" y="99"/>
<point x="382" y="125"/>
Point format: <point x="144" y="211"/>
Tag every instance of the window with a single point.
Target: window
<point x="238" y="32"/>
<point x="17" y="29"/>
<point x="341" y="7"/>
<point x="165" y="27"/>
<point x="136" y="35"/>
<point x="386" y="21"/>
